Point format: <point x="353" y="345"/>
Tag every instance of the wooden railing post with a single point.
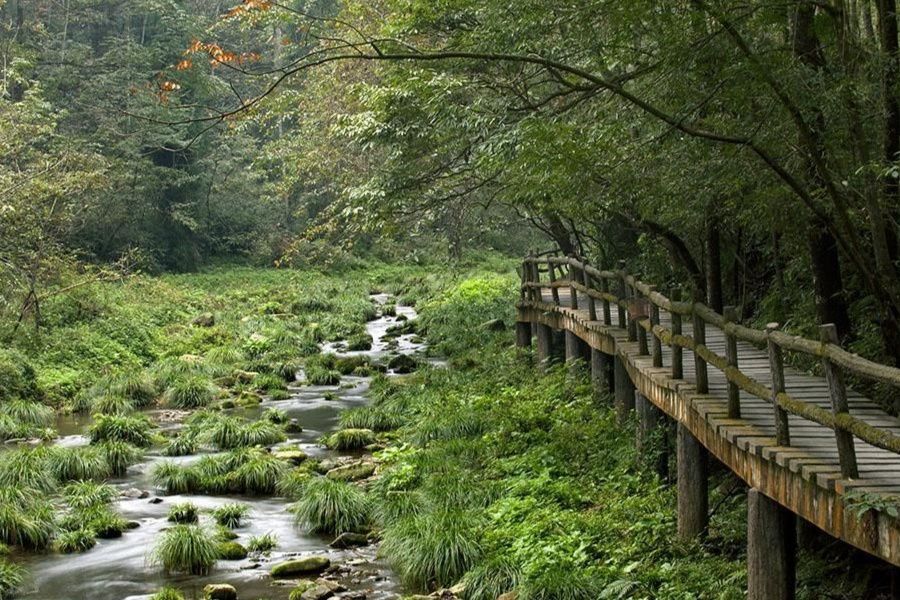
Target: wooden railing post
<point x="630" y="294"/>
<point x="677" y="351"/>
<point x="643" y="349"/>
<point x="554" y="291"/>
<point x="731" y="356"/>
<point x="776" y="366"/>
<point x="622" y="294"/>
<point x="654" y="321"/>
<point x="573" y="277"/>
<point x="838" y="391"/>
<point x="699" y="336"/>
<point x="604" y="287"/>
<point x="536" y="295"/>
<point x="592" y="304"/>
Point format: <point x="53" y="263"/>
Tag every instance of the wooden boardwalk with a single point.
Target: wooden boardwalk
<point x="804" y="476"/>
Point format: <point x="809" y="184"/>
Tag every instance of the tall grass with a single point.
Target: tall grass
<point x="174" y="478"/>
<point x="134" y="429"/>
<point x="12" y="576"/>
<point x="27" y="468"/>
<point x="231" y="515"/>
<point x="350" y="439"/>
<point x="185" y="549"/>
<point x="330" y="506"/>
<point x="109" y="403"/>
<point x="85" y="494"/>
<point x="183" y="513"/>
<point x="80" y="463"/>
<point x="26" y="518"/>
<point x="191" y="391"/>
<point x="432" y="548"/>
<point x="120" y="455"/>
<point x="33" y="414"/>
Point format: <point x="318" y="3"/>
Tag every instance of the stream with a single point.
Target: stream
<point x="119" y="569"/>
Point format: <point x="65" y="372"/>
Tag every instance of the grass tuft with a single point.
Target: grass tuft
<point x="185" y="549"/>
<point x="330" y="506"/>
<point x="231" y="515"/>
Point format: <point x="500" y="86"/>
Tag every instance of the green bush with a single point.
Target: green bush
<point x="268" y="382"/>
<point x="32" y="414"/>
<point x="193" y="391"/>
<point x="120" y="455"/>
<point x="109" y="403"/>
<point x="26" y="517"/>
<point x="262" y="544"/>
<point x="330" y="506"/>
<point x="12" y="576"/>
<point x="86" y="494"/>
<point x="133" y="429"/>
<point x="136" y="386"/>
<point x="79" y="463"/>
<point x="17" y="377"/>
<point x="183" y="513"/>
<point x="185" y="549"/>
<point x="181" y="445"/>
<point x="370" y="417"/>
<point x="350" y="439"/>
<point x="26" y="468"/>
<point x="168" y="593"/>
<point x="79" y="540"/>
<point x="231" y="515"/>
<point x="174" y="478"/>
<point x="316" y="375"/>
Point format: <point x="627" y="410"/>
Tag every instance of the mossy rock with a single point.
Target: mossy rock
<point x="249" y="399"/>
<point x="244" y="376"/>
<point x="403" y="363"/>
<point x="226" y="404"/>
<point x="352" y="472"/>
<point x="293" y="456"/>
<point x="293" y="426"/>
<point x="302" y="588"/>
<point x="350" y="540"/>
<point x="219" y="591"/>
<point x="232" y="551"/>
<point x="310" y="565"/>
<point x="206" y="319"/>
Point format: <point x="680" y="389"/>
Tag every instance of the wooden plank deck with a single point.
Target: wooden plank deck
<point x="805" y="476"/>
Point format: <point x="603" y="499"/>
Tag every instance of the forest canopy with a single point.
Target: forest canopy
<point x="746" y="151"/>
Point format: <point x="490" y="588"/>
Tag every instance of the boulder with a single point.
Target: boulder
<point x="300" y="567"/>
<point x="403" y="363"/>
<point x="293" y="426"/>
<point x="219" y="591"/>
<point x="206" y="319"/>
<point x="352" y="472"/>
<point x="293" y="456"/>
<point x="232" y="551"/>
<point x="349" y="540"/>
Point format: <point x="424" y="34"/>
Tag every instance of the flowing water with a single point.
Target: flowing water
<point x="119" y="569"/>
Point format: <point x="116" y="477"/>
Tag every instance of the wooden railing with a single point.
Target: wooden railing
<point x="638" y="307"/>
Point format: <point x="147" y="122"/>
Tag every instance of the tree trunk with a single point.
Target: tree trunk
<point x="831" y="306"/>
<point x="887" y="32"/>
<point x="713" y="263"/>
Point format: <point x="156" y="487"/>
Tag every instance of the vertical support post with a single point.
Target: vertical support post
<point x="554" y="291"/>
<point x="624" y="397"/>
<point x="835" y="377"/>
<point x="654" y="321"/>
<point x="699" y="363"/>
<point x="592" y="303"/>
<point x="622" y="293"/>
<point x="599" y="373"/>
<point x="731" y="356"/>
<point x="776" y="366"/>
<point x="693" y="492"/>
<point x="638" y="320"/>
<point x="651" y="436"/>
<point x="630" y="294"/>
<point x="536" y="294"/>
<point x="559" y="345"/>
<point x="523" y="334"/>
<point x="677" y="351"/>
<point x="573" y="277"/>
<point x="573" y="352"/>
<point x="771" y="549"/>
<point x="604" y="287"/>
<point x="544" y="345"/>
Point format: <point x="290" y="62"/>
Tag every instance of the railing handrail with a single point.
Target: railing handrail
<point x="830" y="353"/>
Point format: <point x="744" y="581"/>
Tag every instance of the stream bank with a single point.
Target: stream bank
<point x="119" y="568"/>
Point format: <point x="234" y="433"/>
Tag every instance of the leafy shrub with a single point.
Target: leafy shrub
<point x="136" y="386"/>
<point x="79" y="540"/>
<point x="183" y="513"/>
<point x="194" y="391"/>
<point x="134" y="429"/>
<point x="186" y="549"/>
<point x="350" y="439"/>
<point x="168" y="370"/>
<point x="330" y="506"/>
<point x="231" y="515"/>
<point x="17" y="377"/>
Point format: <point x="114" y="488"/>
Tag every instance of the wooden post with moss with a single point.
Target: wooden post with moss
<point x="600" y="370"/>
<point x="622" y="294"/>
<point x="677" y="351"/>
<point x="544" y="345"/>
<point x="771" y="549"/>
<point x="624" y="395"/>
<point x="693" y="492"/>
<point x="650" y="438"/>
<point x="731" y="356"/>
